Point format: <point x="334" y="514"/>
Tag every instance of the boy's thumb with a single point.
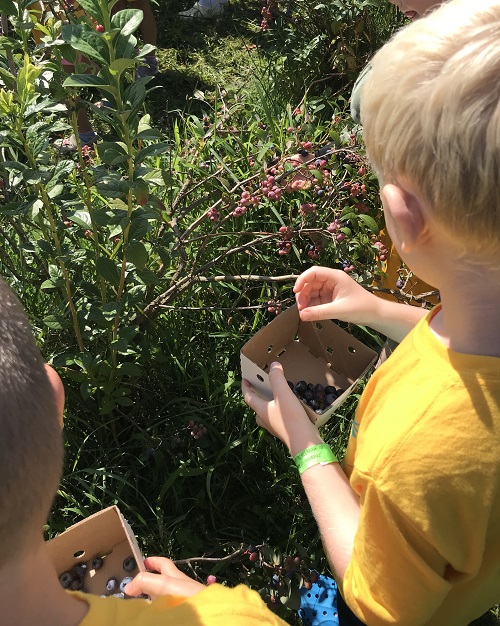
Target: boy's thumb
<point x="277" y="377"/>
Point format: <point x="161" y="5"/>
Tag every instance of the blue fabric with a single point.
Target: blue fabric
<point x="318" y="605"/>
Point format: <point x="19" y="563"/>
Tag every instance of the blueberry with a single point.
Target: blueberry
<point x="76" y="584"/>
<point x="330" y="389"/>
<point x="119" y="595"/>
<point x="320" y="193"/>
<point x="320" y="396"/>
<point x="340" y="392"/>
<point x="303" y="152"/>
<point x="319" y="411"/>
<point x="330" y="398"/>
<point x="129" y="564"/>
<point x="301" y="386"/>
<point x="319" y="387"/>
<point x="80" y="570"/>
<point x="112" y="585"/>
<point x="125" y="581"/>
<point x="314" y="404"/>
<point x="66" y="579"/>
<point x="97" y="562"/>
<point x="310" y="387"/>
<point x="290" y="384"/>
<point x="308" y="395"/>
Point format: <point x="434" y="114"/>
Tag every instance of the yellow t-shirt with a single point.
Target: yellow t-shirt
<point x="213" y="606"/>
<point x="424" y="457"/>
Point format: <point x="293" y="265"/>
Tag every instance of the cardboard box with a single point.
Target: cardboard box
<point x="106" y="534"/>
<point x="317" y="352"/>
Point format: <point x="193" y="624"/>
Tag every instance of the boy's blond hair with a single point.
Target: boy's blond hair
<point x="31" y="446"/>
<point x="431" y="114"/>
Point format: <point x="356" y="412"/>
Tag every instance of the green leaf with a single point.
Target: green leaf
<point x="8" y="7"/>
<point x="112" y="152"/>
<point x="81" y="38"/>
<point x="62" y="169"/>
<point x="370" y="222"/>
<point x="127" y="21"/>
<point x="125" y="46"/>
<point x="55" y="322"/>
<point x="120" y="65"/>
<point x="134" y="96"/>
<point x="18" y="208"/>
<point x="130" y="369"/>
<point x="138" y="228"/>
<point x="152" y="150"/>
<point x="112" y="188"/>
<point x="92" y="8"/>
<point x="108" y="270"/>
<point x="84" y="80"/>
<point x="149" y="134"/>
<point x="148" y="277"/>
<point x="82" y="218"/>
<point x="137" y="254"/>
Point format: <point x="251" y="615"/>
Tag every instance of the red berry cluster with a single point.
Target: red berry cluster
<point x="274" y="306"/>
<point x="314" y="251"/>
<point x="267" y="18"/>
<point x="270" y="189"/>
<point x="308" y="207"/>
<point x="247" y="199"/>
<point x="197" y="430"/>
<point x="383" y="252"/>
<point x="285" y="244"/>
<point x="213" y="215"/>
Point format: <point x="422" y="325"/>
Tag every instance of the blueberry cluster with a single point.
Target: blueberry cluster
<point x="74" y="579"/>
<point x="317" y="397"/>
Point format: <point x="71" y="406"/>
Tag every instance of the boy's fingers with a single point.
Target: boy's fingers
<point x="150" y="584"/>
<point x="254" y="401"/>
<point x="277" y="378"/>
<point x="161" y="564"/>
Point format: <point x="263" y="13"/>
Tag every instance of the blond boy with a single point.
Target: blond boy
<point x="411" y="522"/>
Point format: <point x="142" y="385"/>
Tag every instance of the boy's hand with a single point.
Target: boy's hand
<point x="284" y="417"/>
<point x="322" y="293"/>
<point x="169" y="581"/>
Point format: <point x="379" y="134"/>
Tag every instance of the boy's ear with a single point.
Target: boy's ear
<point x="58" y="389"/>
<point x="406" y="215"/>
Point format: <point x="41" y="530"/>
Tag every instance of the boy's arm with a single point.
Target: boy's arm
<point x="323" y="293"/>
<point x="334" y="504"/>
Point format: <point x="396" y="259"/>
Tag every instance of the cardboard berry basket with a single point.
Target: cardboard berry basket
<point x="317" y="352"/>
<point x="105" y="535"/>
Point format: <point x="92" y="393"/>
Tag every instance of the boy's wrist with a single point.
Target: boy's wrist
<point x="299" y="441"/>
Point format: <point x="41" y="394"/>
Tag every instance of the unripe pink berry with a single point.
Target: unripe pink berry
<point x="211" y="579"/>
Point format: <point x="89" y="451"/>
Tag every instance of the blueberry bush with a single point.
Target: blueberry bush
<point x="147" y="260"/>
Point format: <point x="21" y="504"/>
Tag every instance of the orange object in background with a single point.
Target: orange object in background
<point x="41" y="9"/>
<point x="390" y="275"/>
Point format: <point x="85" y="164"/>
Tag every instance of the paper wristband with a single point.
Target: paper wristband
<point x="315" y="455"/>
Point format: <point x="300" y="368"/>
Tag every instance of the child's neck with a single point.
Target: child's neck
<point x="30" y="593"/>
<point x="470" y="318"/>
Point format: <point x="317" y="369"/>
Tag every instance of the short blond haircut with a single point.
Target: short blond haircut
<point x="31" y="445"/>
<point x="431" y="114"/>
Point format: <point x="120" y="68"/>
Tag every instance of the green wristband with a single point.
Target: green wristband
<point x="315" y="455"/>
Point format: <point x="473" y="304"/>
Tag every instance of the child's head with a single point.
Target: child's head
<point x="431" y="116"/>
<point x="31" y="447"/>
